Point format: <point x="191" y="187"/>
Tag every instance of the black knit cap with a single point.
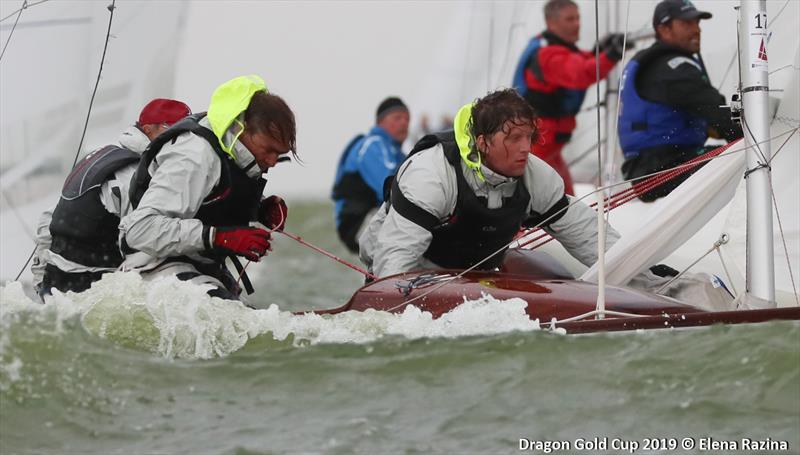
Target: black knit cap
<point x="680" y="9"/>
<point x="388" y="106"/>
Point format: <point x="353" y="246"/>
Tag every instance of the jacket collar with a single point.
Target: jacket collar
<point x="380" y="131"/>
<point x="134" y="139"/>
<point x="241" y="155"/>
<point x="660" y="46"/>
<point x="554" y="39"/>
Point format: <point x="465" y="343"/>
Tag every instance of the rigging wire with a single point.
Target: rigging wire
<point x="766" y="161"/>
<point x="601" y="221"/>
<point x="597" y="90"/>
<point x="782" y="145"/>
<point x="620" y="200"/>
<point x="735" y="54"/>
<point x="727" y="273"/>
<point x="780" y="226"/>
<point x="615" y="119"/>
<point x="24" y="5"/>
<point x="19" y="217"/>
<point x="111" y="9"/>
<point x="723" y="239"/>
<point x="783" y="68"/>
<point x="467" y="48"/>
<point x="583" y="155"/>
<point x="511" y="30"/>
<point x="491" y="44"/>
<point x="783" y="241"/>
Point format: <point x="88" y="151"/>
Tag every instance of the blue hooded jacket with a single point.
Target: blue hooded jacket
<point x="372" y="158"/>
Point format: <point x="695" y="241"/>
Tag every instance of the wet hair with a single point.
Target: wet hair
<point x="553" y="7"/>
<point x="490" y="113"/>
<point x="269" y="114"/>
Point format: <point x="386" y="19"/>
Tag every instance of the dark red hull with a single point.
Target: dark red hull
<point x="550" y="295"/>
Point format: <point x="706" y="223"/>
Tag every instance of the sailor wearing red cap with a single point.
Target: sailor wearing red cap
<point x="77" y="241"/>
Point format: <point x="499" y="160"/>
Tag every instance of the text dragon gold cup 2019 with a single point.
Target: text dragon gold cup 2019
<point x="652" y="444"/>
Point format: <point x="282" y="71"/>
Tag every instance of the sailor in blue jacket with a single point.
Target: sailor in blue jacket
<point x="363" y="167"/>
<point x="668" y="106"/>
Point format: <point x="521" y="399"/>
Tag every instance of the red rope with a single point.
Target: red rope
<point x="636" y="190"/>
<point x="298" y="239"/>
<point x="320" y="250"/>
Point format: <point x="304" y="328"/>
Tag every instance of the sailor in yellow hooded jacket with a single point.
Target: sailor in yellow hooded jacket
<point x="198" y="187"/>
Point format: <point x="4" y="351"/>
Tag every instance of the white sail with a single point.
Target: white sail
<point x="46" y="80"/>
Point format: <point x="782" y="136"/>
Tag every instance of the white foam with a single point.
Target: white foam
<point x="178" y="319"/>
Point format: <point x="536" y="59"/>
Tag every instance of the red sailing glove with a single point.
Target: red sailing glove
<point x="273" y="212"/>
<point x="252" y="243"/>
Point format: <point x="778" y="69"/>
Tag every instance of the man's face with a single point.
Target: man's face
<point x="396" y="124"/>
<point x="154" y="129"/>
<point x="507" y="153"/>
<point x="683" y="33"/>
<point x="264" y="148"/>
<point x="566" y="24"/>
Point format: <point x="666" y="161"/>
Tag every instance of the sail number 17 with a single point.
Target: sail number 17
<point x="761" y="20"/>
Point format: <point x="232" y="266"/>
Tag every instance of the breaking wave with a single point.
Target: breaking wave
<point x="176" y="319"/>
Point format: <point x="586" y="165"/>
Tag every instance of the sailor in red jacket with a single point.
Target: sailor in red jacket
<point x="553" y="75"/>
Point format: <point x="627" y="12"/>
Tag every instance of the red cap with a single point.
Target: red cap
<point x="162" y="110"/>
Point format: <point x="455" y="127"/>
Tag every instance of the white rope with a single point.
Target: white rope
<point x="555" y="321"/>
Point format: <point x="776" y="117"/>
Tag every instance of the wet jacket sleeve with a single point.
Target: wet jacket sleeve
<point x="163" y="224"/>
<point x="573" y="70"/>
<point x="680" y="82"/>
<point x="43" y="242"/>
<point x="576" y="230"/>
<point x="427" y="182"/>
<point x="114" y="193"/>
<point x="376" y="164"/>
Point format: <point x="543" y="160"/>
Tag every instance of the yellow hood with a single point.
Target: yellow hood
<point x="228" y="101"/>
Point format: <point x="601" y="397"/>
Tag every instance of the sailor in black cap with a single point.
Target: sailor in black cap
<point x="363" y="167"/>
<point x="669" y="107"/>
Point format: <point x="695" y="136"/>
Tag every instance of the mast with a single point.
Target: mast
<point x="754" y="80"/>
<point x="610" y="171"/>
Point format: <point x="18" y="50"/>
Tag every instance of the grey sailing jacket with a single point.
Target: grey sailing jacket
<point x="393" y="244"/>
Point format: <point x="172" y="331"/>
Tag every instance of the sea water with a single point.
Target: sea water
<point x="132" y="366"/>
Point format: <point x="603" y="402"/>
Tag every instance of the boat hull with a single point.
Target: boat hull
<point x="553" y="298"/>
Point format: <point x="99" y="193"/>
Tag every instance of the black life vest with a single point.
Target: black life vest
<point x="359" y="198"/>
<point x="235" y="199"/>
<point x="82" y="229"/>
<point x="473" y="231"/>
<point x="557" y="102"/>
